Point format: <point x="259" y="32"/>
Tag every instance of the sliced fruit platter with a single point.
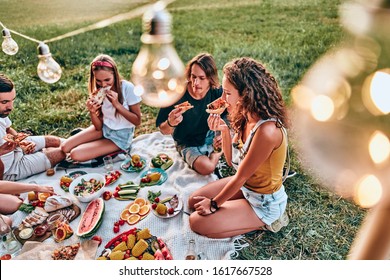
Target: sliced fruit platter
<point x="154" y="176"/>
<point x="112" y="177"/>
<point x="133" y="164"/>
<point x="91" y="219"/>
<point x="167" y="206"/>
<point x="126" y="191"/>
<point x="162" y="161"/>
<point x="135" y="211"/>
<point x="136" y="244"/>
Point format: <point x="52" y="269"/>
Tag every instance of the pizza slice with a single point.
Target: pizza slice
<point x="217" y="106"/>
<point x="100" y="94"/>
<point x="185" y="106"/>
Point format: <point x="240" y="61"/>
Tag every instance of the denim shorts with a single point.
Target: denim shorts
<point x="121" y="137"/>
<point x="190" y="154"/>
<point x="268" y="207"/>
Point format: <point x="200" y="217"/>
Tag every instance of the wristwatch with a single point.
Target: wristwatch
<point x="213" y="206"/>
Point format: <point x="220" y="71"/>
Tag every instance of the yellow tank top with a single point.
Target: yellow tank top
<point x="268" y="177"/>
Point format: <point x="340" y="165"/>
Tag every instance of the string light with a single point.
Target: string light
<point x="158" y="73"/>
<point x="9" y="45"/>
<point x="48" y="69"/>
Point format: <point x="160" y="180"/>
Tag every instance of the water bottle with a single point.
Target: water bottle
<point x="8" y="240"/>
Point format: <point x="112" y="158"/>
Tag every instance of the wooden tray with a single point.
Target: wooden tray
<point x="48" y="233"/>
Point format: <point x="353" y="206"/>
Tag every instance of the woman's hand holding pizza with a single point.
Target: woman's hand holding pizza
<point x="93" y="106"/>
<point x="216" y="123"/>
<point x="113" y="97"/>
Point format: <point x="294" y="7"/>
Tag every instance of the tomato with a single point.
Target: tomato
<point x="106" y="195"/>
<point x="5" y="257"/>
<point x="126" y="256"/>
<point x="116" y="229"/>
<point x="157" y="200"/>
<point x="121" y="222"/>
<point x="171" y="211"/>
<point x="154" y="206"/>
<point x="124" y="238"/>
<point x="97" y="238"/>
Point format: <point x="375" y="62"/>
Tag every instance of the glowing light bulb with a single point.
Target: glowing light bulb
<point x="368" y="191"/>
<point x="9" y="46"/>
<point x="379" y="147"/>
<point x="49" y="70"/>
<point x="158" y="72"/>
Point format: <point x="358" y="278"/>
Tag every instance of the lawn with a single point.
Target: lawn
<point x="286" y="35"/>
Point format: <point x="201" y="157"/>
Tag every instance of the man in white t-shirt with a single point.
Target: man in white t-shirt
<point x="42" y="152"/>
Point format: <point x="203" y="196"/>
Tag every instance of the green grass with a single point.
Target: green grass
<point x="286" y="35"/>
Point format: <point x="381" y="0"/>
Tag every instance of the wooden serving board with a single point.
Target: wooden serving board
<point x="47" y="233"/>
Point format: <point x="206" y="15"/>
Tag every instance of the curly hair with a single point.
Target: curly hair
<point x="259" y="93"/>
<point x="207" y="63"/>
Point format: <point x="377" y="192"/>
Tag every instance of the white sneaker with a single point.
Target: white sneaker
<point x="279" y="223"/>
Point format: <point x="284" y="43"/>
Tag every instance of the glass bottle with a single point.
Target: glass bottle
<point x="8" y="239"/>
<point x="191" y="255"/>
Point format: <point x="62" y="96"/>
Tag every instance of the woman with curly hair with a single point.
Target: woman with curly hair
<point x="254" y="198"/>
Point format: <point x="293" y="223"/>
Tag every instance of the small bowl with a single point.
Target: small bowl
<point x="88" y="197"/>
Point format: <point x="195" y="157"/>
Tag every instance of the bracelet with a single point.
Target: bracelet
<point x="170" y="124"/>
<point x="213" y="204"/>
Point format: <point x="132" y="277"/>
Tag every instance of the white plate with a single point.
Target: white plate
<point x="177" y="209"/>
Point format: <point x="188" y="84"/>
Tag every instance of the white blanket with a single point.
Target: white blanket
<point x="174" y="231"/>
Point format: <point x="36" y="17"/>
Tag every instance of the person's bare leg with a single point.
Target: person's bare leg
<point x="235" y="217"/>
<point x="205" y="165"/>
<point x="87" y="135"/>
<point x="93" y="149"/>
<point x="55" y="155"/>
<point x="9" y="203"/>
<point x="52" y="141"/>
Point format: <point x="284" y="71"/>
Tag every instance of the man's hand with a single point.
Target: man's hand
<point x="27" y="146"/>
<point x="7" y="147"/>
<point x="175" y="117"/>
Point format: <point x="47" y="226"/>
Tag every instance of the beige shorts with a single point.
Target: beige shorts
<point x="24" y="166"/>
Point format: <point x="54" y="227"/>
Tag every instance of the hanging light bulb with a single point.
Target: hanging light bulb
<point x="157" y="72"/>
<point x="9" y="46"/>
<point x="48" y="69"/>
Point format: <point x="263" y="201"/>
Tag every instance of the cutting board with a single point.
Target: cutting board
<point x="47" y="233"/>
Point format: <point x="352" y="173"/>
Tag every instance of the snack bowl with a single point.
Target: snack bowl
<point x="88" y="187"/>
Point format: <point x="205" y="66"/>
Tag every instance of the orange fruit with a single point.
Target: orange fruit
<point x="134" y="209"/>
<point x="125" y="215"/>
<point x="140" y="201"/>
<point x="144" y="210"/>
<point x="133" y="218"/>
<point x="43" y="196"/>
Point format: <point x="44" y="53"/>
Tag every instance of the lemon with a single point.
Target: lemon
<point x="135" y="158"/>
<point x="155" y="176"/>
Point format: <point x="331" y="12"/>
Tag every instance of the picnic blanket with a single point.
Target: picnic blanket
<point x="174" y="231"/>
